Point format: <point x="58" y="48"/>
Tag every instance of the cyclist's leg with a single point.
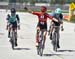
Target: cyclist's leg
<point x="44" y="27"/>
<point x="45" y="33"/>
<point x="51" y="30"/>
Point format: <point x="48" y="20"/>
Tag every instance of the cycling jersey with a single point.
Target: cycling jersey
<point x="12" y="19"/>
<point x="58" y="17"/>
<point x="54" y="15"/>
<point x="42" y="18"/>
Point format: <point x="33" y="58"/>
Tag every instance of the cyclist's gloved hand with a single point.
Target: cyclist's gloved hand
<point x="18" y="26"/>
<point x="25" y="8"/>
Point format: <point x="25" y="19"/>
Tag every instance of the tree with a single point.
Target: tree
<point x="57" y="1"/>
<point x="61" y="2"/>
<point x="12" y="1"/>
<point x="52" y="1"/>
<point x="26" y="1"/>
<point x="32" y="2"/>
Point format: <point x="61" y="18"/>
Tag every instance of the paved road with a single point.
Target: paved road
<point x="26" y="40"/>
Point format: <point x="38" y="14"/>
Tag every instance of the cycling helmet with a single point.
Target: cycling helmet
<point x="13" y="10"/>
<point x="58" y="11"/>
<point x="43" y="9"/>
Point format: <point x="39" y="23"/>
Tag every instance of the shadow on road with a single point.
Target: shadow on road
<point x="52" y="54"/>
<point x="66" y="50"/>
<point x="1" y="33"/>
<point x="21" y="48"/>
<point x="55" y="54"/>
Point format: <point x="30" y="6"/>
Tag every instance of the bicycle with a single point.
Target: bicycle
<point x="13" y="37"/>
<point x="55" y="37"/>
<point x="40" y="47"/>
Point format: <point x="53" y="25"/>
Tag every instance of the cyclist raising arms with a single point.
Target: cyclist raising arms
<point x="58" y="15"/>
<point x="42" y="21"/>
<point x="14" y="21"/>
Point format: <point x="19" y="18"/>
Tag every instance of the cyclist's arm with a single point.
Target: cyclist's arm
<point x="61" y="17"/>
<point x="52" y="18"/>
<point x="8" y="16"/>
<point x="30" y="11"/>
<point x="51" y="22"/>
<point x="18" y="19"/>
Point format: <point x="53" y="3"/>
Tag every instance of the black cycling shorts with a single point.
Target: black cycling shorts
<point x="42" y="25"/>
<point x="14" y="25"/>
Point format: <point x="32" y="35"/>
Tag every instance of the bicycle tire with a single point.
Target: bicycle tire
<point x="55" y="42"/>
<point x="38" y="50"/>
<point x="13" y="40"/>
<point x="41" y="48"/>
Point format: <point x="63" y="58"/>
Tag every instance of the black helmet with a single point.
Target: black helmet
<point x="13" y="10"/>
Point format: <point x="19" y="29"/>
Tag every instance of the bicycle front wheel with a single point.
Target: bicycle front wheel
<point x="54" y="41"/>
<point x="13" y="40"/>
<point x="41" y="46"/>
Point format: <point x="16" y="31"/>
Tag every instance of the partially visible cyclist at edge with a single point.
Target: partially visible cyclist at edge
<point x="58" y="15"/>
<point x="42" y="21"/>
<point x="14" y="21"/>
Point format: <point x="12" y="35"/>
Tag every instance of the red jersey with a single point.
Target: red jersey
<point x="42" y="18"/>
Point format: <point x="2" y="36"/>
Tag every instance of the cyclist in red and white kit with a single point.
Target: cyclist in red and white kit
<point x="42" y="21"/>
